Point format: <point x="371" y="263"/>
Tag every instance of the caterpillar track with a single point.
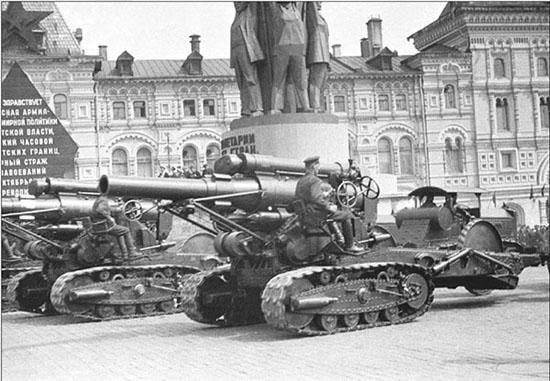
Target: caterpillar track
<point x="319" y="300"/>
<point x="333" y="299"/>
<point x="206" y="297"/>
<point x="120" y="292"/>
<point x="28" y="290"/>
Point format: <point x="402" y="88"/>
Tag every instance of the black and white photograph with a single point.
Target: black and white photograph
<point x="298" y="190"/>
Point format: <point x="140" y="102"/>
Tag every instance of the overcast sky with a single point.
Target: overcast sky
<point x="155" y="30"/>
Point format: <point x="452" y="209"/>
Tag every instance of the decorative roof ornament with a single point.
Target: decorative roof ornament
<point x="18" y="22"/>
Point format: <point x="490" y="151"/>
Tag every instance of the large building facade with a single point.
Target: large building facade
<point x="469" y="110"/>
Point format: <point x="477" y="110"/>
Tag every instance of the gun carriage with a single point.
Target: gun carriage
<point x="74" y="253"/>
<point x="294" y="276"/>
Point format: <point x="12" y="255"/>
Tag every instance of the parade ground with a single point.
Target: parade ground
<point x="502" y="336"/>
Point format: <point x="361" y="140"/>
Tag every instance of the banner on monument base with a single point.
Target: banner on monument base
<point x="34" y="142"/>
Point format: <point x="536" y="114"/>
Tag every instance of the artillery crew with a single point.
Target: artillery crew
<point x="104" y="223"/>
<point x="309" y="190"/>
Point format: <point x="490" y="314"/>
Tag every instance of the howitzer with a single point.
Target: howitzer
<point x="57" y="209"/>
<point x="259" y="183"/>
<point x="51" y="185"/>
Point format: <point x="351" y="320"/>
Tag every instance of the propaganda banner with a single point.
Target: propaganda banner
<point x="34" y="143"/>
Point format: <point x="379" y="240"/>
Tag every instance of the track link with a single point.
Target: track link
<point x="280" y="289"/>
<point x="121" y="305"/>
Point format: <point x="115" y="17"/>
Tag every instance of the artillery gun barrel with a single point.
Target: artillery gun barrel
<point x="252" y="163"/>
<point x="59" y="209"/>
<point x="276" y="191"/>
<point x="52" y="185"/>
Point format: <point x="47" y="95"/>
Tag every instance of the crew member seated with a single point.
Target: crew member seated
<point x="309" y="190"/>
<point x="429" y="202"/>
<point x="104" y="223"/>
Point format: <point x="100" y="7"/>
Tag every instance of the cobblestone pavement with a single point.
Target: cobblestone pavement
<point x="502" y="336"/>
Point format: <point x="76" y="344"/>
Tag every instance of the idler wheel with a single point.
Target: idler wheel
<point x="127" y="309"/>
<point x="105" y="311"/>
<point x="328" y="322"/>
<point x="167" y="306"/>
<point x="351" y="320"/>
<point x="371" y="317"/>
<point x="118" y="277"/>
<point x="391" y="314"/>
<point x="75" y="283"/>
<point x="418" y="288"/>
<point x="298" y="320"/>
<point x="147" y="308"/>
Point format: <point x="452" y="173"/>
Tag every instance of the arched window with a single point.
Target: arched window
<point x="144" y="163"/>
<point x="385" y="163"/>
<point x="139" y="109"/>
<point x="383" y="103"/>
<point x="405" y="156"/>
<point x="212" y="154"/>
<point x="60" y="106"/>
<point x="119" y="162"/>
<point x="189" y="157"/>
<point x="449" y="92"/>
<point x="499" y="68"/>
<point x="453" y="155"/>
<point x="544" y="112"/>
<point x="542" y="67"/>
<point x="503" y="123"/>
<point x="400" y="102"/>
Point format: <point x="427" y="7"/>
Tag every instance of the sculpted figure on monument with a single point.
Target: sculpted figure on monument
<point x="246" y="52"/>
<point x="288" y="51"/>
<point x="318" y="54"/>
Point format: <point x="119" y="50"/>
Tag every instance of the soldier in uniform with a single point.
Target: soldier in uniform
<point x="245" y="53"/>
<point x="8" y="251"/>
<point x="104" y="223"/>
<point x="309" y="190"/>
<point x="318" y="54"/>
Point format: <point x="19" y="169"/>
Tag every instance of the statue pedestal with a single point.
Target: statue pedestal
<point x="294" y="136"/>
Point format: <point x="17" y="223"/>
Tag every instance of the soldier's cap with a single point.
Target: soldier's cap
<point x="310" y="160"/>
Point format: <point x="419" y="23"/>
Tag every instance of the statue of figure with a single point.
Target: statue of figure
<point x="318" y="54"/>
<point x="245" y="53"/>
<point x="288" y="49"/>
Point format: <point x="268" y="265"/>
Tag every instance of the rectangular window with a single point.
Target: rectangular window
<point x="502" y="114"/>
<point x="189" y="108"/>
<point x="544" y="113"/>
<point x="383" y="103"/>
<point x="508" y="160"/>
<point x="433" y="101"/>
<point x="209" y="107"/>
<point x="82" y="111"/>
<point x="468" y="100"/>
<point x="119" y="111"/>
<point x="139" y="109"/>
<point x="363" y="103"/>
<point x="165" y="109"/>
<point x="400" y="102"/>
<point x="233" y="107"/>
<point x="339" y="103"/>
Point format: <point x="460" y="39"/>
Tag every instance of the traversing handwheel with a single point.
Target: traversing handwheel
<point x="132" y="210"/>
<point x="346" y="194"/>
<point x="369" y="188"/>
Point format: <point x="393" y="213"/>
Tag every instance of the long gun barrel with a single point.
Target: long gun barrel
<point x="252" y="163"/>
<point x="262" y="191"/>
<point x="51" y="185"/>
<point x="60" y="209"/>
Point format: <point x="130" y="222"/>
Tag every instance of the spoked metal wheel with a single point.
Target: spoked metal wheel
<point x="328" y="322"/>
<point x="371" y="317"/>
<point x="351" y="320"/>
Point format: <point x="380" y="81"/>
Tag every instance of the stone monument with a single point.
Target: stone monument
<point x="280" y="53"/>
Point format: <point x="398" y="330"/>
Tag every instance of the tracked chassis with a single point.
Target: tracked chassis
<point x="106" y="292"/>
<point x="315" y="300"/>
